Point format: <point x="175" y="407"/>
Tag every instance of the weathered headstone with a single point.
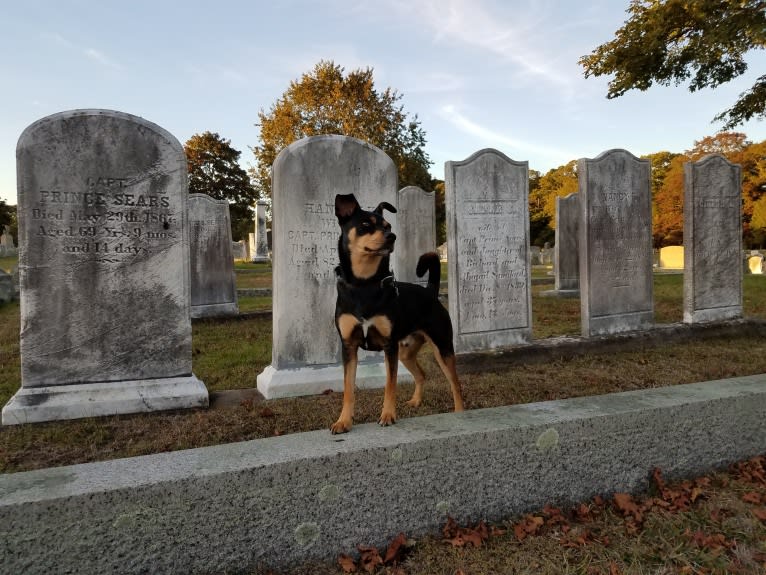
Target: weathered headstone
<point x="261" y="243"/>
<point x="238" y="251"/>
<point x="672" y="258"/>
<point x="567" y="262"/>
<point x="251" y="245"/>
<point x="713" y="240"/>
<point x="417" y="221"/>
<point x="213" y="284"/>
<point x="6" y="239"/>
<point x="7" y="290"/>
<point x="306" y="176"/>
<point x="616" y="283"/>
<point x="755" y="264"/>
<point x="104" y="264"/>
<point x="490" y="298"/>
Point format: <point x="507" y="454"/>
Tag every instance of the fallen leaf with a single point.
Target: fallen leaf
<point x="760" y="513"/>
<point x="369" y="558"/>
<point x="395" y="549"/>
<point x="266" y="412"/>
<point x="347" y="564"/>
<point x="624" y="502"/>
<point x="613" y="569"/>
<point x="752" y="497"/>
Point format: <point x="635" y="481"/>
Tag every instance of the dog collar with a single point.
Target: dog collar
<point x="389" y="281"/>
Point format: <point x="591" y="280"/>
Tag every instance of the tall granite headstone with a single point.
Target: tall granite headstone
<point x="566" y="259"/>
<point x="104" y="269"/>
<point x="213" y="284"/>
<point x="713" y="240"/>
<point x="490" y="296"/>
<point x="616" y="283"/>
<point x="261" y="243"/>
<point x="306" y="176"/>
<point x="417" y="222"/>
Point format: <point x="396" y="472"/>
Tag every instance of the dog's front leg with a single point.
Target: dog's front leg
<point x="388" y="415"/>
<point x="346" y="419"/>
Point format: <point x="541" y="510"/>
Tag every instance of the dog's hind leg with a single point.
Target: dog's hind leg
<point x="388" y="415"/>
<point x="445" y="357"/>
<point x="408" y="352"/>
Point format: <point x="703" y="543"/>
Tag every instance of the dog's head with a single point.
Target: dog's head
<point x="365" y="235"/>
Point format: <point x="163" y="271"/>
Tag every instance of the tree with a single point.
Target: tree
<point x="6" y="215"/>
<point x="671" y="41"/>
<point x="214" y="170"/>
<point x="327" y="101"/>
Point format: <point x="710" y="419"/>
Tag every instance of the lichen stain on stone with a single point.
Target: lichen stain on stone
<point x="306" y="533"/>
<point x="329" y="492"/>
<point x="397" y="455"/>
<point x="548" y="440"/>
<point x="140" y="516"/>
<point x="443" y="507"/>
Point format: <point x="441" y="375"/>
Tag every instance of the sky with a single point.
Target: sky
<point x="477" y="73"/>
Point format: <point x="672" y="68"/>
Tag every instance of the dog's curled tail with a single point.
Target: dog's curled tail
<point x="429" y="262"/>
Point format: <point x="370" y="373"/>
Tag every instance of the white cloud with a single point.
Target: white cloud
<point x="101" y="58"/>
<point x="521" y="41"/>
<point x="491" y="138"/>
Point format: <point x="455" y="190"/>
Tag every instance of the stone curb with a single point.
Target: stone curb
<point x="278" y="501"/>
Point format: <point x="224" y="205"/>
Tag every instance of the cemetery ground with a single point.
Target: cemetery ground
<point x="715" y="524"/>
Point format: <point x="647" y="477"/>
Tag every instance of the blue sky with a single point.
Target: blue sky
<point x="478" y="73"/>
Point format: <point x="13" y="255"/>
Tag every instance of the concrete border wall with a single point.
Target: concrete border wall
<point x="281" y="500"/>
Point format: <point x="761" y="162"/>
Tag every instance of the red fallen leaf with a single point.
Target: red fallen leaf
<point x="395" y="549"/>
<point x="247" y="403"/>
<point x="266" y="412"/>
<point x="347" y="564"/>
<point x="760" y="514"/>
<point x="369" y="558"/>
<point x="328" y="392"/>
<point x="528" y="526"/>
<point x="582" y="512"/>
<point x="613" y="569"/>
<point x="752" y="497"/>
<point x="624" y="502"/>
<point x="658" y="480"/>
<point x="450" y="528"/>
<point x="472" y="536"/>
<point x="495" y="531"/>
<point x="482" y="530"/>
<point x="598" y="501"/>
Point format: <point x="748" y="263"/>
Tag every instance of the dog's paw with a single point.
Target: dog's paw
<point x="387" y="418"/>
<point x="340" y="426"/>
<point x="414" y="402"/>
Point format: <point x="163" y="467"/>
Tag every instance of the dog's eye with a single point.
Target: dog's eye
<point x="366" y="225"/>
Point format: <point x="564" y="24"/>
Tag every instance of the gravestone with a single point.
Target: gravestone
<point x="755" y="264"/>
<point x="713" y="240"/>
<point x="238" y="251"/>
<point x="306" y="176"/>
<point x="213" y="284"/>
<point x="6" y="239"/>
<point x="7" y="290"/>
<point x="261" y="243"/>
<point x="671" y="258"/>
<point x="417" y="220"/>
<point x="616" y="283"/>
<point x="104" y="269"/>
<point x="567" y="262"/>
<point x="490" y="299"/>
<point x="251" y="245"/>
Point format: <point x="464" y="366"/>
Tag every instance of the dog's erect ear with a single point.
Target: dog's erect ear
<point x="384" y="206"/>
<point x="345" y="206"/>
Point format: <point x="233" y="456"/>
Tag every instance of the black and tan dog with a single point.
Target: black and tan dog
<point x="377" y="313"/>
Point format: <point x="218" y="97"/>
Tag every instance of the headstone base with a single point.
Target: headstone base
<point x="713" y="314"/>
<point x="276" y="383"/>
<point x="214" y="310"/>
<point x="261" y="259"/>
<point x="618" y="323"/>
<point x="562" y="293"/>
<point x="36" y="404"/>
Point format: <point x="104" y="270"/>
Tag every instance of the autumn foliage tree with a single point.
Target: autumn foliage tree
<point x="214" y="170"/>
<point x="672" y="41"/>
<point x="543" y="191"/>
<point x="329" y="101"/>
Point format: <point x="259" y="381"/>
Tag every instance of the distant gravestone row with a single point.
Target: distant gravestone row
<point x="116" y="257"/>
